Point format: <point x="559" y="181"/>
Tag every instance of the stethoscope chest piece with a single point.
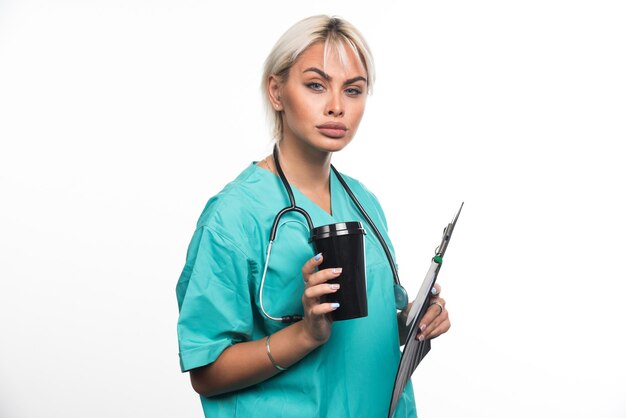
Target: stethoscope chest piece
<point x="401" y="297"/>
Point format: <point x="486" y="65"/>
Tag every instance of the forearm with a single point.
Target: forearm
<point x="245" y="364"/>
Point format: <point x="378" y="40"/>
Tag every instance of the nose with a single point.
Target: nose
<point x="335" y="105"/>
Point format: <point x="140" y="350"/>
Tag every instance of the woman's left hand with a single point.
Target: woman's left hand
<point x="436" y="320"/>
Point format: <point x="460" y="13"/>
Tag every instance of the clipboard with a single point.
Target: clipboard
<point x="415" y="350"/>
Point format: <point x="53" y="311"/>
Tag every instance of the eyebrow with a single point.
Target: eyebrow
<point x="325" y="76"/>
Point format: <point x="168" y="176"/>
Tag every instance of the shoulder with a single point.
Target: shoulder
<point x="236" y="212"/>
<point x="362" y="192"/>
<point x="367" y="198"/>
<point x="231" y="198"/>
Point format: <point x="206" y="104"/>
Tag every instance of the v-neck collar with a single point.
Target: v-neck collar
<point x="301" y="196"/>
<point x="303" y="200"/>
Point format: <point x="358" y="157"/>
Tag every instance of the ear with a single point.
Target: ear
<point x="274" y="87"/>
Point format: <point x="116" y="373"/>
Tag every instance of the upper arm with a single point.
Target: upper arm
<point x="214" y="299"/>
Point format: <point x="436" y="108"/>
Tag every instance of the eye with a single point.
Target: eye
<point x="353" y="91"/>
<point x="315" y="86"/>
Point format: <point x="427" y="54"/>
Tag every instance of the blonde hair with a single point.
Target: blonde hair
<point x="336" y="33"/>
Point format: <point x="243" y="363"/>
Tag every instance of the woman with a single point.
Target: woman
<point x="243" y="364"/>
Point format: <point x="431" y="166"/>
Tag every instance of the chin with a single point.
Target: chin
<point x="334" y="144"/>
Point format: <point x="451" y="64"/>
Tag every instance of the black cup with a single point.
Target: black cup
<point x="342" y="245"/>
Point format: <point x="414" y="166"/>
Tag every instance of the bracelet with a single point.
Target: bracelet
<point x="269" y="354"/>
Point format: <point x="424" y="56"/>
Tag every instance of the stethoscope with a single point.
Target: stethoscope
<point x="400" y="294"/>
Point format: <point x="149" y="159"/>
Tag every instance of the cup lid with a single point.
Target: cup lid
<point x="333" y="230"/>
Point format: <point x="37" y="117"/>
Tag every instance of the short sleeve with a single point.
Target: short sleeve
<point x="214" y="300"/>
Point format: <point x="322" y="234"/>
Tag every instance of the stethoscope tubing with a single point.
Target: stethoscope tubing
<point x="392" y="263"/>
<point x="400" y="294"/>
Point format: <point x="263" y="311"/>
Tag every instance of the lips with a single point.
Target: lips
<point x="333" y="129"/>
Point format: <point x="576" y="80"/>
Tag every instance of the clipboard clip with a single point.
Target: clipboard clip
<point x="447" y="233"/>
<point x="419" y="306"/>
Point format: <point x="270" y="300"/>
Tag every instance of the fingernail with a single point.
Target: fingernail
<point x="334" y="286"/>
<point x="422" y="327"/>
<point x="337" y="270"/>
<point x="421" y="337"/>
<point x="334" y="305"/>
<point x="317" y="257"/>
<point x="433" y="291"/>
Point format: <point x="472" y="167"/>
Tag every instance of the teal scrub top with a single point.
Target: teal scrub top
<point x="352" y="374"/>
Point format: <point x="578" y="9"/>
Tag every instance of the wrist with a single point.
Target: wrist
<point x="306" y="341"/>
<point x="268" y="350"/>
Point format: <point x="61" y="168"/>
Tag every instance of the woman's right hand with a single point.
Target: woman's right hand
<point x="317" y="323"/>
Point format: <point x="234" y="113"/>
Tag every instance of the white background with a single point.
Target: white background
<point x="119" y="119"/>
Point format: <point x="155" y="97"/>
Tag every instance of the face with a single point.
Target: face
<point x="321" y="105"/>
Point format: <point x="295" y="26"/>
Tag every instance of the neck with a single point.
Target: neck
<point x="305" y="168"/>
